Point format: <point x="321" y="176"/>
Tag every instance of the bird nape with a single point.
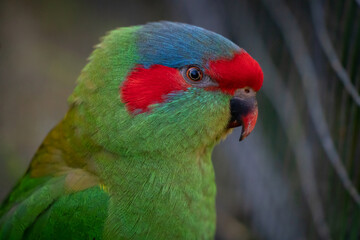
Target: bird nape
<point x="132" y="157"/>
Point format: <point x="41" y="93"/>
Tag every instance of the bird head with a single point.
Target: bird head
<point x="167" y="86"/>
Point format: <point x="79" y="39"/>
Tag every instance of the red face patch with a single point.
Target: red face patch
<point x="146" y="86"/>
<point x="239" y="72"/>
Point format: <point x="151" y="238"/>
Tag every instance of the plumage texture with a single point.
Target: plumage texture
<point x="115" y="168"/>
<point x="185" y="45"/>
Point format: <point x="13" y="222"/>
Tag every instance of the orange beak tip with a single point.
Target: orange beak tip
<point x="248" y="123"/>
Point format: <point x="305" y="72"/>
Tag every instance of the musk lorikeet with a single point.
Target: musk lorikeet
<point x="132" y="157"/>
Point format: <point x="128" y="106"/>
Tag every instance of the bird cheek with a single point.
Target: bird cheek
<point x="146" y="86"/>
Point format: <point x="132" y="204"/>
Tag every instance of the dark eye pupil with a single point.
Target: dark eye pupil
<point x="194" y="74"/>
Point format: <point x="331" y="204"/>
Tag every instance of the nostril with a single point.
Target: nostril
<point x="247" y="90"/>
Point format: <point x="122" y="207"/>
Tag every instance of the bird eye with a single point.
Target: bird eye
<point x="194" y="74"/>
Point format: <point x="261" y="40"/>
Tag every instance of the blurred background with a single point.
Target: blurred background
<point x="297" y="176"/>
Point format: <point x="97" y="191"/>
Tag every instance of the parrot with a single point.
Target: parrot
<point x="131" y="159"/>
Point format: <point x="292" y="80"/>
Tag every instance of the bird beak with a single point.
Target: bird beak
<point x="244" y="112"/>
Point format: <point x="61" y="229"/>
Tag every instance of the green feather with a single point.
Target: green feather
<point x="79" y="215"/>
<point x="103" y="173"/>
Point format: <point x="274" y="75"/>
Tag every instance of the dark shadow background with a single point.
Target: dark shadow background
<point x="295" y="177"/>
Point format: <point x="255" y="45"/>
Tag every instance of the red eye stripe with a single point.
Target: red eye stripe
<point x="146" y="86"/>
<point x="240" y="71"/>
